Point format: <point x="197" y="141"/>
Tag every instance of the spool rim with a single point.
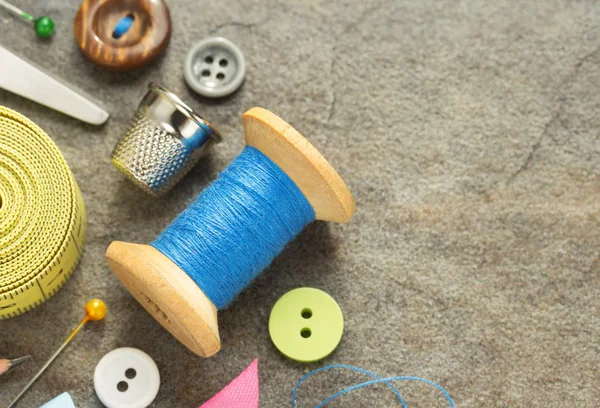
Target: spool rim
<point x="322" y="186"/>
<point x="168" y="294"/>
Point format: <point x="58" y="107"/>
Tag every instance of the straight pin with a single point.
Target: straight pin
<point x="44" y="26"/>
<point x="94" y="310"/>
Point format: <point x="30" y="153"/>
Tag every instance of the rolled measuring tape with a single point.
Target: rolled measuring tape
<point x="42" y="216"/>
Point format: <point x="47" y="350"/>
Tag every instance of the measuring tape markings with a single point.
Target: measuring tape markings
<point x="42" y="216"/>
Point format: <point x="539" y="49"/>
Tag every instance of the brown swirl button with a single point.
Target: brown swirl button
<point x="122" y="34"/>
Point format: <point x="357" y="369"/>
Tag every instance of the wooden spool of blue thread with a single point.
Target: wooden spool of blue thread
<point x="169" y="294"/>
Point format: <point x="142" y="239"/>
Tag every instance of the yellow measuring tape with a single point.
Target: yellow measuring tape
<point x="42" y="216"/>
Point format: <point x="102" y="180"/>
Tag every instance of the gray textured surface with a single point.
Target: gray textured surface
<point x="468" y="132"/>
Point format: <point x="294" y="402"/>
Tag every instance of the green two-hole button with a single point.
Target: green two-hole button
<point x="306" y="324"/>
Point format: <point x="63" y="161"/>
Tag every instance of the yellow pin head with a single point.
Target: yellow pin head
<point x="95" y="309"/>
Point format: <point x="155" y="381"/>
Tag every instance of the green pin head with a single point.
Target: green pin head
<point x="44" y="27"/>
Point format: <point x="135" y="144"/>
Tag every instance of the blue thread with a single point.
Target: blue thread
<point x="123" y="26"/>
<point x="236" y="226"/>
<point x="332" y="366"/>
<point x="199" y="138"/>
<point x="366" y="384"/>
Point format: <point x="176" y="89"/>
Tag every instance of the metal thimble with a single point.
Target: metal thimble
<point x="164" y="141"/>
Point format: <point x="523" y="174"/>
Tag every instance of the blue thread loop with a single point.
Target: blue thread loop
<point x="236" y="226"/>
<point x="123" y="25"/>
<point x="378" y="380"/>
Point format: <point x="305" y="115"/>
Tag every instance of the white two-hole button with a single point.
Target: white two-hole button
<point x="126" y="378"/>
<point x="215" y="67"/>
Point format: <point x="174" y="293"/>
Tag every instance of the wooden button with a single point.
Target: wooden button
<point x="100" y="32"/>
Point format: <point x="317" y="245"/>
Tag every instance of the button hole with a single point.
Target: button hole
<point x="221" y="76"/>
<point x="306" y="313"/>
<point x="130" y="373"/>
<point x="123" y="26"/>
<point x="208" y="59"/>
<point x="223" y="62"/>
<point x="122" y="386"/>
<point x="305" y="332"/>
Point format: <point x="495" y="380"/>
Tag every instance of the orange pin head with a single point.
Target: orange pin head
<point x="95" y="309"/>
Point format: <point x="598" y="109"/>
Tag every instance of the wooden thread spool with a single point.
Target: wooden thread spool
<point x="169" y="294"/>
<point x="145" y="40"/>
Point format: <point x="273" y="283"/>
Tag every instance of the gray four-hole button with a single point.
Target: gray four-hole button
<point x="215" y="67"/>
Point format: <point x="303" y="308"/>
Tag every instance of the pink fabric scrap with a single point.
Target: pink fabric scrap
<point x="242" y="392"/>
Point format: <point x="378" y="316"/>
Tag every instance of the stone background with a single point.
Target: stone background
<point x="468" y="132"/>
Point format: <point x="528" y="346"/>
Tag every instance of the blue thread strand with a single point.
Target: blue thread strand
<point x="385" y="380"/>
<point x="333" y="366"/>
<point x="236" y="226"/>
<point x="123" y="25"/>
<point x="367" y="383"/>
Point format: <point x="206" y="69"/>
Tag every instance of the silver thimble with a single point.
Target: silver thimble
<point x="164" y="141"/>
